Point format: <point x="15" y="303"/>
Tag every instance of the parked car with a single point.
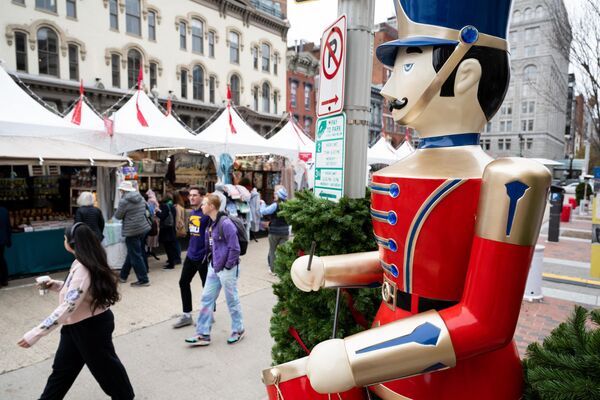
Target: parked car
<point x="570" y="188"/>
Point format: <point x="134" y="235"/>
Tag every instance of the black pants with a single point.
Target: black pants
<point x="190" y="267"/>
<point x="172" y="256"/>
<point x="88" y="342"/>
<point x="4" y="267"/>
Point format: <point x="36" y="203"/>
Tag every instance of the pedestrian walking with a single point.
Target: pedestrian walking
<point x="5" y="242"/>
<point x="90" y="215"/>
<point x="88" y="323"/>
<point x="195" y="260"/>
<point x="279" y="230"/>
<point x="136" y="224"/>
<point x="223" y="257"/>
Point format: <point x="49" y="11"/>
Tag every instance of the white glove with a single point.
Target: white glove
<point x="328" y="368"/>
<point x="306" y="280"/>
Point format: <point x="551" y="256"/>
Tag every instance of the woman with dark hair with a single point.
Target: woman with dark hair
<point x="88" y="323"/>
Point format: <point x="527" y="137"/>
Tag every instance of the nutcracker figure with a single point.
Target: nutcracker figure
<point x="456" y="229"/>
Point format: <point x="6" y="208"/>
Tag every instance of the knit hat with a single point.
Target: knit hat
<point x="282" y="193"/>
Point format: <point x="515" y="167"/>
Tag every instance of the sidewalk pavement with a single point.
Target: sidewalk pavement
<point x="162" y="366"/>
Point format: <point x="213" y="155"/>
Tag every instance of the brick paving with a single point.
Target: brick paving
<point x="566" y="249"/>
<point x="537" y="320"/>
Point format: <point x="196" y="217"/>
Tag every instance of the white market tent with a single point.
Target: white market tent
<point x="89" y="119"/>
<point x="292" y="138"/>
<point x="404" y="150"/>
<point x="95" y="135"/>
<point x="217" y="138"/>
<point x="23" y="150"/>
<point x="21" y="115"/>
<point x="382" y="153"/>
<point x="130" y="135"/>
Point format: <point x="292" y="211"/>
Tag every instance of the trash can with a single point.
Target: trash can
<point x="565" y="215"/>
<point x="557" y="195"/>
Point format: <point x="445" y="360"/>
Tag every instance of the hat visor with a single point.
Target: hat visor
<point x="386" y="53"/>
<point x="126" y="188"/>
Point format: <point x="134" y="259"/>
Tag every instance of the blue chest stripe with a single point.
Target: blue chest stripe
<point x="416" y="226"/>
<point x="426" y="334"/>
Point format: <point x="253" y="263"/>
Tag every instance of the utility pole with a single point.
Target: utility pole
<point x="357" y="96"/>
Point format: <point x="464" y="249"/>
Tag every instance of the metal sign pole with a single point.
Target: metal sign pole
<point x="357" y="96"/>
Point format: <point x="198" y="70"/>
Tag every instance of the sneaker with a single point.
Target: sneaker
<point x="236" y="337"/>
<point x="140" y="284"/>
<point x="122" y="280"/>
<point x="168" y="267"/>
<point x="183" y="321"/>
<point x="200" y="340"/>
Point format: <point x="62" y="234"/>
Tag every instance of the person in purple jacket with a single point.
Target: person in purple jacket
<point x="195" y="260"/>
<point x="223" y="257"/>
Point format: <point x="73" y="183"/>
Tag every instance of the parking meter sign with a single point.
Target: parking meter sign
<point x="333" y="66"/>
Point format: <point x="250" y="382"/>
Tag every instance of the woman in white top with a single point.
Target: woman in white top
<point x="86" y="336"/>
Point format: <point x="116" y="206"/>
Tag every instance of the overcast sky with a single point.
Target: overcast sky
<point x="308" y="20"/>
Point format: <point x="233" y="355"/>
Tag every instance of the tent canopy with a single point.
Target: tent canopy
<point x="89" y="119"/>
<point x="34" y="150"/>
<point x="292" y="138"/>
<point x="404" y="150"/>
<point x="21" y="115"/>
<point x="217" y="138"/>
<point x="162" y="131"/>
<point x="382" y="153"/>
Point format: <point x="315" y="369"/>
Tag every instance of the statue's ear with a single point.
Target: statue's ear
<point x="468" y="75"/>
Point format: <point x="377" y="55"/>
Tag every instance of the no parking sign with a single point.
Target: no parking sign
<point x="333" y="66"/>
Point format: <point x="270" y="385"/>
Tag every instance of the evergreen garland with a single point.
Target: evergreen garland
<point x="337" y="228"/>
<point x="567" y="364"/>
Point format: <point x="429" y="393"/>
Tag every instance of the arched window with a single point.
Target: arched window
<point x="197" y="36"/>
<point x="517" y="16"/>
<point x="527" y="14"/>
<point x="234" y="47"/>
<point x="539" y="12"/>
<point x="266" y="98"/>
<point x="212" y="83"/>
<point x="133" y="19"/>
<point x="47" y="42"/>
<point x="530" y="73"/>
<point x="235" y="87"/>
<point x="134" y="63"/>
<point x="266" y="56"/>
<point x="198" y="83"/>
<point x="255" y="98"/>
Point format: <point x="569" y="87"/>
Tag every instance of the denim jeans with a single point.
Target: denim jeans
<point x="135" y="258"/>
<point x="227" y="279"/>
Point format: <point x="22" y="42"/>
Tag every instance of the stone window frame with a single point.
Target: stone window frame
<point x="205" y="78"/>
<point x="192" y="16"/>
<point x="31" y="31"/>
<point x="229" y="29"/>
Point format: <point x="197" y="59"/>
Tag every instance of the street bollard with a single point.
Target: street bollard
<point x="533" y="289"/>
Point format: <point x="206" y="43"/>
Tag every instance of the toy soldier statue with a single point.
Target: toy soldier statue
<point x="456" y="230"/>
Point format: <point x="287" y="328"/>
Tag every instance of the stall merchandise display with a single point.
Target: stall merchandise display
<point x="46" y="187"/>
<point x="12" y="189"/>
<point x="32" y="218"/>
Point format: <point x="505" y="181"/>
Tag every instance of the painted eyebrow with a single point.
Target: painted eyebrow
<point x="413" y="50"/>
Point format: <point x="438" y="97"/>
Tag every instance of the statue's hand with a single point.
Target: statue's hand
<point x="328" y="368"/>
<point x="306" y="280"/>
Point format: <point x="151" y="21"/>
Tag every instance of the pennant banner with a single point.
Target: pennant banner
<point x="169" y="106"/>
<point x="76" y="118"/>
<point x="109" y="126"/>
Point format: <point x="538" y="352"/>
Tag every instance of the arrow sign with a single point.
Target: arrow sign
<point x="330" y="101"/>
<point x="327" y="195"/>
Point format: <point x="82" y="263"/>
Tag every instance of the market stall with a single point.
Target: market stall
<point x="382" y="153"/>
<point x="40" y="179"/>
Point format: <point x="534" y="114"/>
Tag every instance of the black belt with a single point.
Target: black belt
<point x="393" y="298"/>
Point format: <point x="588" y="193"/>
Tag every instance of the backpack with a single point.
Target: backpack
<point x="240" y="230"/>
<point x="169" y="220"/>
<point x="180" y="226"/>
<point x="151" y="221"/>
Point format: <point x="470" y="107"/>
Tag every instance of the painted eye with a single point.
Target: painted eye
<point x="408" y="67"/>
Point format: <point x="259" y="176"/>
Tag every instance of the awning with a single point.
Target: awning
<point x="547" y="161"/>
<point x="48" y="151"/>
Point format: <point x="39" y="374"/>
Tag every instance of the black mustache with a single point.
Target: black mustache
<point x="398" y="104"/>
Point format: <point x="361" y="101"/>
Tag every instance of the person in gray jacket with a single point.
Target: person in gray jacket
<point x="132" y="210"/>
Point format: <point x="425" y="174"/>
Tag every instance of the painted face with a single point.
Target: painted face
<point x="412" y="73"/>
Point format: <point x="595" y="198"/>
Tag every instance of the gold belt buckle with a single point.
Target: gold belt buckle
<point x="388" y="292"/>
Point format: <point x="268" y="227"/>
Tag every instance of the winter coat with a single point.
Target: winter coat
<point x="166" y="233"/>
<point x="225" y="250"/>
<point x="132" y="210"/>
<point x="92" y="217"/>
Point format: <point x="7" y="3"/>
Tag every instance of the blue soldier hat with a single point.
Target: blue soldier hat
<point x="446" y="22"/>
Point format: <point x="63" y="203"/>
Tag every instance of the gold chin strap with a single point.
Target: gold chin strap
<point x="459" y="52"/>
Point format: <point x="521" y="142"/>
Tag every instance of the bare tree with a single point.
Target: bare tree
<point x="579" y="34"/>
